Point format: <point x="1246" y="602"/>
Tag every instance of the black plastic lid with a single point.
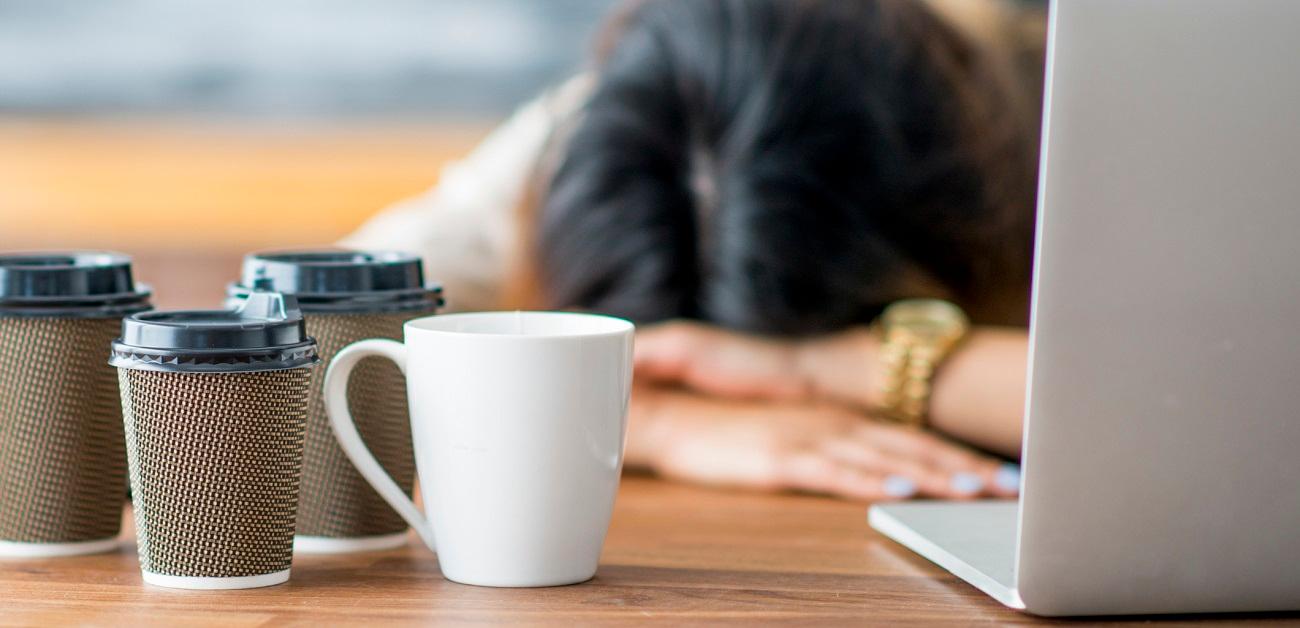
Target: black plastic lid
<point x="339" y="280"/>
<point x="267" y="333"/>
<point x="80" y="284"/>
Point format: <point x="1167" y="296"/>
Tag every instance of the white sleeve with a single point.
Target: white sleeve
<point x="466" y="227"/>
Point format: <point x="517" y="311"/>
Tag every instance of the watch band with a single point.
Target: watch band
<point x="916" y="337"/>
<point x="907" y="383"/>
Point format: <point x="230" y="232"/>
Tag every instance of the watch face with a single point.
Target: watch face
<point x="924" y="319"/>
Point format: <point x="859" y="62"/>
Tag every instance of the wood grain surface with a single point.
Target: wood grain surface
<point x="675" y="555"/>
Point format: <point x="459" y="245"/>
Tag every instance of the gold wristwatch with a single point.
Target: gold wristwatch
<point x="916" y="335"/>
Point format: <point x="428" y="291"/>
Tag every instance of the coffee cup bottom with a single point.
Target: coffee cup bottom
<point x="205" y="583"/>
<point x="13" y="549"/>
<point x="347" y="545"/>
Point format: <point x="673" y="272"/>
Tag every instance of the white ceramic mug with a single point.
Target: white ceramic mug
<point x="518" y="421"/>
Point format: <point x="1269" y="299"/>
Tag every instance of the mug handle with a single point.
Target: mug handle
<point x="345" y="430"/>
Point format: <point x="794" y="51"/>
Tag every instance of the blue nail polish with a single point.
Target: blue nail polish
<point x="963" y="482"/>
<point x="1008" y="477"/>
<point x="899" y="486"/>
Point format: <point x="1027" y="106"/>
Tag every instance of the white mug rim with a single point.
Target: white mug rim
<point x="430" y="325"/>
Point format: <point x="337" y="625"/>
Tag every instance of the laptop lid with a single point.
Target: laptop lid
<point x="1162" y="446"/>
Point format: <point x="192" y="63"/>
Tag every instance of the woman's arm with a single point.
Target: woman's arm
<point x="465" y="228"/>
<point x="978" y="394"/>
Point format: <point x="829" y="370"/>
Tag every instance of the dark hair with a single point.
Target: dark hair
<point x="788" y="167"/>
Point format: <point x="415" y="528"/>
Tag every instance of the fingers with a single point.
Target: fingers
<point x="717" y="362"/>
<point x="923" y="479"/>
<point x="857" y="471"/>
<point x="679" y="352"/>
<point x="968" y="474"/>
<point x="816" y="472"/>
<point x="662" y="352"/>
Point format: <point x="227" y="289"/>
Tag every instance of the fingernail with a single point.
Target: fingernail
<point x="963" y="482"/>
<point x="899" y="486"/>
<point x="1008" y="477"/>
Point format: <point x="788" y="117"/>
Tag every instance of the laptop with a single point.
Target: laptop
<point x="1161" y="459"/>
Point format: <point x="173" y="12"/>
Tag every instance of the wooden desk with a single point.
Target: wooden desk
<point x="675" y="555"/>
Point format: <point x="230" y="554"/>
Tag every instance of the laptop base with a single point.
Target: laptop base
<point x="976" y="541"/>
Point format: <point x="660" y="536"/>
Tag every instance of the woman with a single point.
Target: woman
<point x="775" y="172"/>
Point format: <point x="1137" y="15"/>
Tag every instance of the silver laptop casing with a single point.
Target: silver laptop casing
<point x="1162" y="446"/>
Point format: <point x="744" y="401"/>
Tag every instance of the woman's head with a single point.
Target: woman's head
<point x="787" y="166"/>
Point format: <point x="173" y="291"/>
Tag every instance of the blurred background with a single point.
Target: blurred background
<point x="186" y="132"/>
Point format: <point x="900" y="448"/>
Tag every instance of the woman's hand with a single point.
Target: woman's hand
<point x="807" y="447"/>
<point x="719" y="362"/>
<point x="978" y="393"/>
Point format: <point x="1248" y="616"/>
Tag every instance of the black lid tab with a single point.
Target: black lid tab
<point x="341" y="280"/>
<point x="266" y="333"/>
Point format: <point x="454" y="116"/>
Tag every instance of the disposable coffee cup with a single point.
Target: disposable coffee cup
<point x="347" y="296"/>
<point x="62" y="458"/>
<point x="214" y="404"/>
